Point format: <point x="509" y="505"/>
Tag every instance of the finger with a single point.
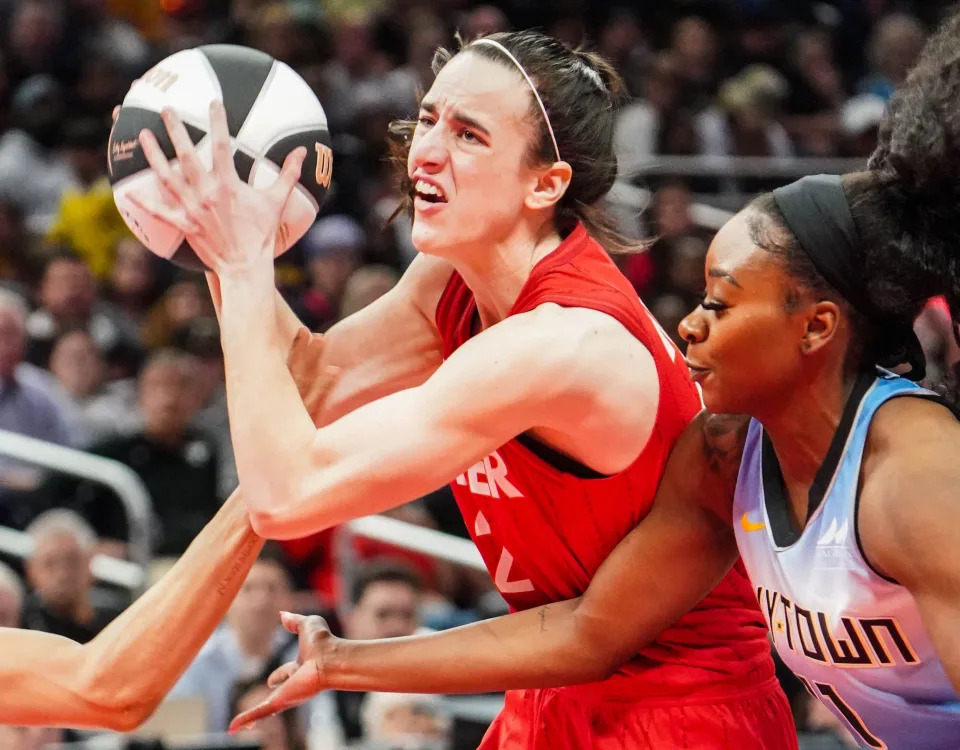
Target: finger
<point x="281" y="674"/>
<point x="289" y="176"/>
<point x="183" y="146"/>
<point x="300" y="686"/>
<point x="169" y="179"/>
<point x="220" y="141"/>
<point x="291" y="621"/>
<point x="116" y="113"/>
<point x="174" y="217"/>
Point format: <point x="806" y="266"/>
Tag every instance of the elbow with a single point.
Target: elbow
<point x="270" y="524"/>
<point x="596" y="651"/>
<point x="284" y="523"/>
<point x="127" y="718"/>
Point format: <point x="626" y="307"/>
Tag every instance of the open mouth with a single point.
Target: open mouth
<point x="428" y="192"/>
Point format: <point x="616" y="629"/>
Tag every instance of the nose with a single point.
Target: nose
<point x="428" y="151"/>
<point x="693" y="328"/>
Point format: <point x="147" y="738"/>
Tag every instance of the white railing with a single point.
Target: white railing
<point x="415" y="538"/>
<point x="741" y="166"/>
<point x="110" y="570"/>
<point x="115" y="475"/>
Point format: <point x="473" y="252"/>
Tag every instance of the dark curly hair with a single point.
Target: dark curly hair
<point x="906" y="207"/>
<point x="581" y="93"/>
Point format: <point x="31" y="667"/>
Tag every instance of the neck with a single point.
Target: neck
<point x="497" y="272"/>
<point x="801" y="428"/>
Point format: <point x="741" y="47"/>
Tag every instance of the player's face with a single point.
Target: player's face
<point x="743" y="342"/>
<point x="470" y="145"/>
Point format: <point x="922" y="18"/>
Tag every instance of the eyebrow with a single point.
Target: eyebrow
<point x="458" y="116"/>
<point x="718" y="273"/>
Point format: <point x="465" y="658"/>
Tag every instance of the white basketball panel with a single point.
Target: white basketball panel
<point x="300" y="212"/>
<point x="286" y="105"/>
<point x="161" y="238"/>
<point x="183" y="81"/>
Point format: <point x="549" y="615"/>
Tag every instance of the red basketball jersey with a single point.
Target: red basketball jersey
<point x="544" y="525"/>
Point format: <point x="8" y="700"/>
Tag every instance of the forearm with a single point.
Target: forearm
<point x="270" y="428"/>
<point x="139" y="656"/>
<point x="547" y="646"/>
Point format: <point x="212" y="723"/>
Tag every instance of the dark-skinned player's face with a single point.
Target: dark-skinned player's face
<point x="743" y="340"/>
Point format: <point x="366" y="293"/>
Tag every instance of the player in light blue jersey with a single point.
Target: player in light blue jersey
<point x="842" y="486"/>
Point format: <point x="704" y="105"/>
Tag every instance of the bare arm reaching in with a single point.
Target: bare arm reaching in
<point x="117" y="680"/>
<point x="580" y="640"/>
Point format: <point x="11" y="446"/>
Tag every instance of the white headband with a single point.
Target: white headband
<point x="536" y="94"/>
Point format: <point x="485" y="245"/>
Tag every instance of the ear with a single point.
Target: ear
<point x="822" y="324"/>
<point x="550" y="186"/>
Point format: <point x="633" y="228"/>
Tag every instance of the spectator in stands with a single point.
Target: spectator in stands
<point x="27" y="403"/>
<point x="131" y="284"/>
<point x="248" y="646"/>
<point x="186" y="299"/>
<point x="816" y="94"/>
<point x="87" y="219"/>
<point x="892" y="50"/>
<point x="281" y="732"/>
<point x="404" y="720"/>
<point x="333" y="248"/>
<point x="58" y="571"/>
<point x="177" y="463"/>
<point x="16" y="267"/>
<point x="694" y="42"/>
<point x="33" y="172"/>
<point x="94" y="410"/>
<point x="34" y="43"/>
<point x="67" y="299"/>
<point x="201" y="339"/>
<point x="384" y="603"/>
<point x="860" y="120"/>
<point x="11" y="598"/>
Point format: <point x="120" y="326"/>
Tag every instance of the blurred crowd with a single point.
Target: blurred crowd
<point x="106" y="348"/>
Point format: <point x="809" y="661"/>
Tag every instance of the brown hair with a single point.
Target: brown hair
<point x="580" y="92"/>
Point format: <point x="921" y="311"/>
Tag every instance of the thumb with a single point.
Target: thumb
<point x="291" y="621"/>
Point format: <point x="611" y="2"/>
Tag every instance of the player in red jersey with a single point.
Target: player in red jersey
<point x="512" y="360"/>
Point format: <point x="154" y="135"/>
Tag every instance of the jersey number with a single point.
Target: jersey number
<point x="829" y="693"/>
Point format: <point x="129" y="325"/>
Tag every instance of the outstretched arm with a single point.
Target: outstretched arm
<point x="674" y="557"/>
<point x="118" y="679"/>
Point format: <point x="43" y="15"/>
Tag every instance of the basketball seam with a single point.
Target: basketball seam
<point x="213" y="77"/>
<point x="260" y="94"/>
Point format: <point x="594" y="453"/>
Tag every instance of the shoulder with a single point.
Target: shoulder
<point x="423" y="282"/>
<point x="909" y="476"/>
<point x="708" y="454"/>
<point x="582" y="349"/>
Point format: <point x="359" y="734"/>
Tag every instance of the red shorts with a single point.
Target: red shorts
<point x="567" y="719"/>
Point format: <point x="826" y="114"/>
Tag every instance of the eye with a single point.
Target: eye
<point x="425" y="120"/>
<point x="712" y="305"/>
<point x="469" y="136"/>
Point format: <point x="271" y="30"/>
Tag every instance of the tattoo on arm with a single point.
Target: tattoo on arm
<point x="543" y="618"/>
<point x="249" y="548"/>
<point x="723" y="439"/>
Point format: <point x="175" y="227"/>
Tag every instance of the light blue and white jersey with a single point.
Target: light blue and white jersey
<point x="854" y="637"/>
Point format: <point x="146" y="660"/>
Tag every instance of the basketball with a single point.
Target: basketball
<point x="270" y="112"/>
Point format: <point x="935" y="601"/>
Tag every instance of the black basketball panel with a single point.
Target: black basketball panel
<point x="241" y="72"/>
<point x="125" y="157"/>
<point x="317" y="171"/>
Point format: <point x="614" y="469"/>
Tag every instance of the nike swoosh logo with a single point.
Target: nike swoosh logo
<point x="747" y="525"/>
